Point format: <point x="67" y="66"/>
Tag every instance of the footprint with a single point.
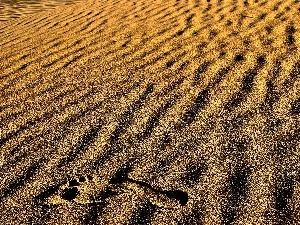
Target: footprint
<point x="160" y="198"/>
<point x="70" y="193"/>
<point x="77" y="190"/>
<point x="90" y="190"/>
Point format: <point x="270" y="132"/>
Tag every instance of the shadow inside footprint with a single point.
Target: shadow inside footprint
<point x="82" y="179"/>
<point x="181" y="196"/>
<point x="70" y="193"/>
<point x="120" y="176"/>
<point x="73" y="183"/>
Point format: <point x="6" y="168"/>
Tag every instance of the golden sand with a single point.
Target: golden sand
<point x="10" y="9"/>
<point x="151" y="112"/>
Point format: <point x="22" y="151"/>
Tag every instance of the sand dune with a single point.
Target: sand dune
<point x="151" y="112"/>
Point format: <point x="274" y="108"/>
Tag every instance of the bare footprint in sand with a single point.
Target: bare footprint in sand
<point x="90" y="189"/>
<point x="167" y="199"/>
<point x="161" y="199"/>
<point x="78" y="190"/>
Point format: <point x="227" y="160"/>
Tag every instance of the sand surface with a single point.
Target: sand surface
<point x="151" y="112"/>
<point x="11" y="9"/>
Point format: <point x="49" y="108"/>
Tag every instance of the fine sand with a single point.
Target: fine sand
<point x="10" y="9"/>
<point x="151" y="112"/>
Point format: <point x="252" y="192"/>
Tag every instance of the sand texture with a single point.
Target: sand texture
<point x="151" y="112"/>
<point x="10" y="9"/>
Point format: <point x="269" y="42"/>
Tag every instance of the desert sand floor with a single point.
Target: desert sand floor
<point x="151" y="112"/>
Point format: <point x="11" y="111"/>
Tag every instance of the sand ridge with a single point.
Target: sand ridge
<point x="179" y="112"/>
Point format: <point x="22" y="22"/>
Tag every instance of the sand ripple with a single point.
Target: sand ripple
<point x="10" y="9"/>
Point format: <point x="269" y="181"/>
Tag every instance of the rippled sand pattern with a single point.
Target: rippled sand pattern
<point x="151" y="112"/>
<point x="10" y="9"/>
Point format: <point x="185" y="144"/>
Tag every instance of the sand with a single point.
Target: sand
<point x="11" y="9"/>
<point x="151" y="112"/>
